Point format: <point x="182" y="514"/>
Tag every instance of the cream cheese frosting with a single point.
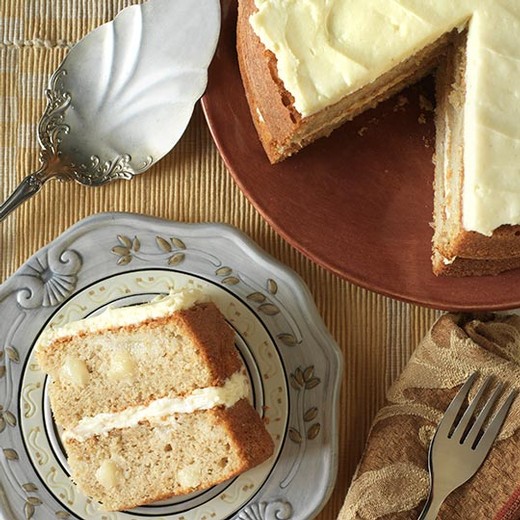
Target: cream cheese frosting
<point x="161" y="306"/>
<point x="328" y="49"/>
<point x="160" y="411"/>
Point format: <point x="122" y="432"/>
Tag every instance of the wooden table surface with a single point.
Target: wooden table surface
<point x="376" y="334"/>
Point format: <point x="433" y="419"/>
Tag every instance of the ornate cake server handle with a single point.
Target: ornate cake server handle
<point x="29" y="186"/>
<point x="25" y="190"/>
<point x="124" y="95"/>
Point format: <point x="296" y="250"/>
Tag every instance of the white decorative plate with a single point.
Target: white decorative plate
<point x="121" y="259"/>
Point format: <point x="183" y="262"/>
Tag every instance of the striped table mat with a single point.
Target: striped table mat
<point x="376" y="334"/>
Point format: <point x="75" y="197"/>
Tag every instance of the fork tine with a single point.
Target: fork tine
<point x="491" y="433"/>
<point x="468" y="414"/>
<point x="453" y="409"/>
<point x="482" y="416"/>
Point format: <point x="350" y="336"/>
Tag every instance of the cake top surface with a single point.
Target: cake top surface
<point x="161" y="306"/>
<point x="327" y="49"/>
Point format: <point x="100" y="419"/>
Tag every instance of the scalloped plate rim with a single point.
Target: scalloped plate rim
<point x="225" y="232"/>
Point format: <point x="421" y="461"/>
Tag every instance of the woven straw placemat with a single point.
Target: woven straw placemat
<point x="376" y="334"/>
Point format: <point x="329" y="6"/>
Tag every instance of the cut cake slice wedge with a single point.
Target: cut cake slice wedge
<point x="153" y="401"/>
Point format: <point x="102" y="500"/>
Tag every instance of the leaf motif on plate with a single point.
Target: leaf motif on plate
<point x="125" y="248"/>
<point x="288" y="339"/>
<point x="308" y="373"/>
<point x="10" y="419"/>
<point x="28" y="510"/>
<point x="12" y="354"/>
<point x="224" y="271"/>
<point x="312" y="383"/>
<point x="121" y="250"/>
<point x="176" y="259"/>
<point x="62" y="515"/>
<point x="269" y="309"/>
<point x="294" y="383"/>
<point x="2" y="371"/>
<point x="124" y="260"/>
<point x="272" y="286"/>
<point x="30" y="487"/>
<point x="2" y="422"/>
<point x="231" y="280"/>
<point x="298" y="375"/>
<point x="163" y="244"/>
<point x="10" y="454"/>
<point x="310" y="414"/>
<point x="124" y="241"/>
<point x="314" y="431"/>
<point x="256" y="297"/>
<point x="178" y="243"/>
<point x="295" y="436"/>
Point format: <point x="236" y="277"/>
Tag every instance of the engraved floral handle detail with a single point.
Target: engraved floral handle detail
<point x="31" y="185"/>
<point x="51" y="129"/>
<point x="124" y="95"/>
<point x="28" y="187"/>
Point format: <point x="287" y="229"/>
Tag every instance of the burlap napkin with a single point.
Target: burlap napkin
<point x="391" y="481"/>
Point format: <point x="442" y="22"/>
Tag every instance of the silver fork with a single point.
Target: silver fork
<point x="458" y="449"/>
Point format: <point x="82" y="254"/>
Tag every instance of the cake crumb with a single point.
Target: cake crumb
<point x="427" y="142"/>
<point x="425" y="104"/>
<point x="402" y="101"/>
<point x="362" y="131"/>
<point x="422" y="119"/>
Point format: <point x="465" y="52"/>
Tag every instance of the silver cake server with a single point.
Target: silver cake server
<point x="124" y="94"/>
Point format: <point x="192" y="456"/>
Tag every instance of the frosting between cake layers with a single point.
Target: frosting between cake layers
<point x="328" y="49"/>
<point x="160" y="411"/>
<point x="159" y="307"/>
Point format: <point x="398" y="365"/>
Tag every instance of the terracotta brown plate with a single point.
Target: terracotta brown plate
<point x="360" y="202"/>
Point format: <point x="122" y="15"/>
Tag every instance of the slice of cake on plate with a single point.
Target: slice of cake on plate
<point x="307" y="67"/>
<point x="153" y="400"/>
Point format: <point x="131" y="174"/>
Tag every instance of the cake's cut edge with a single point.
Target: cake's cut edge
<point x="106" y="371"/>
<point x="456" y="251"/>
<point x="200" y="450"/>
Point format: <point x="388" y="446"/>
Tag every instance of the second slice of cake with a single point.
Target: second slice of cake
<point x="153" y="401"/>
